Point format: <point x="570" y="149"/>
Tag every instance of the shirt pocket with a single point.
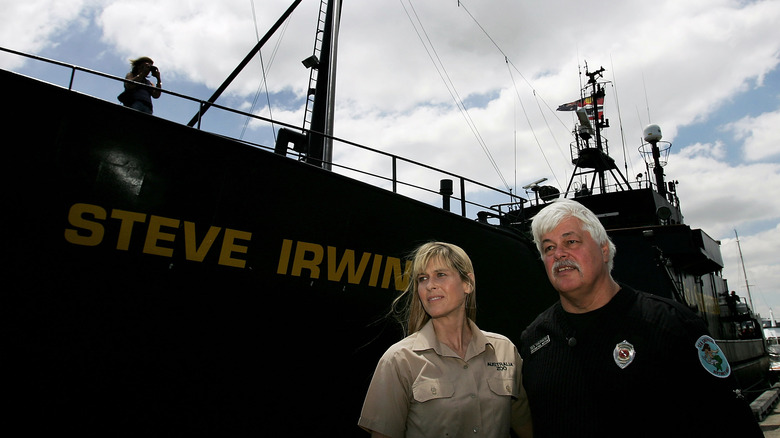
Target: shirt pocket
<point x="425" y="389"/>
<point x="502" y="386"/>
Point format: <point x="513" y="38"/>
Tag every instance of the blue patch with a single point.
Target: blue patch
<point x="712" y="359"/>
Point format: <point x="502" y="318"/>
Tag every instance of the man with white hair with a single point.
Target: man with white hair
<point x="608" y="360"/>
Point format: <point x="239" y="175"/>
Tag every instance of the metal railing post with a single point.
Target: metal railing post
<point x="395" y="175"/>
<point x="462" y="197"/>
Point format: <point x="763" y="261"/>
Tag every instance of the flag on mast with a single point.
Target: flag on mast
<point x="586" y="103"/>
<point x="571" y="106"/>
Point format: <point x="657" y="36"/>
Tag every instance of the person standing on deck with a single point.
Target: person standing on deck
<point x="141" y="94"/>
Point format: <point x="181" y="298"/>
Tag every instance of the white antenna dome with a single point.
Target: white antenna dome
<point x="652" y="133"/>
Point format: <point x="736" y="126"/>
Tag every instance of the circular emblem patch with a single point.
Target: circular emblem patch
<point x="623" y="354"/>
<point x="712" y="359"/>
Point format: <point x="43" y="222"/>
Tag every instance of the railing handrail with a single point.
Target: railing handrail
<point x="516" y="200"/>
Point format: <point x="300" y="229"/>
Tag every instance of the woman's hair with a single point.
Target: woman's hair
<point x="134" y="63"/>
<point x="407" y="308"/>
<point x="561" y="209"/>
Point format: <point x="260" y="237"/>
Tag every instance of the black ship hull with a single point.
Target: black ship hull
<point x="169" y="281"/>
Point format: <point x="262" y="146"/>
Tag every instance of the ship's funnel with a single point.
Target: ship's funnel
<point x="652" y="134"/>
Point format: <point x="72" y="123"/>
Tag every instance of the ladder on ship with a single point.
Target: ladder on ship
<point x="312" y="62"/>
<point x="315" y="142"/>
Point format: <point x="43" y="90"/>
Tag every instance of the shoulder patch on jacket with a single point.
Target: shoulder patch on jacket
<point x="712" y="358"/>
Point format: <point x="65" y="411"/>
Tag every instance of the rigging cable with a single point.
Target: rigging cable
<point x="263" y="83"/>
<point x="529" y="121"/>
<point x="647" y="103"/>
<point x="439" y="65"/>
<point x="537" y="97"/>
<point x="626" y="156"/>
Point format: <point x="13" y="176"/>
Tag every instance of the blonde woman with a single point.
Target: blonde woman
<point x="140" y="91"/>
<point x="447" y="377"/>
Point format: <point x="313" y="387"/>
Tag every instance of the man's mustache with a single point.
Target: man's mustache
<point x="565" y="263"/>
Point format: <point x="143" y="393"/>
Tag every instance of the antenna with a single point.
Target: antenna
<point x="534" y="184"/>
<point x="744" y="272"/>
<point x="647" y="103"/>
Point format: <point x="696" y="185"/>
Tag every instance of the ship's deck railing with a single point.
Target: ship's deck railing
<point x="493" y="201"/>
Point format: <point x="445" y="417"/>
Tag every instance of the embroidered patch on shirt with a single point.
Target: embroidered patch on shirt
<point x="540" y="343"/>
<point x="500" y="366"/>
<point x="712" y="359"/>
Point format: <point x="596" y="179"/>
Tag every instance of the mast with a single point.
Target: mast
<point x="320" y="150"/>
<point x="744" y="272"/>
<point x="597" y="92"/>
<point x="589" y="152"/>
<point x="655" y="158"/>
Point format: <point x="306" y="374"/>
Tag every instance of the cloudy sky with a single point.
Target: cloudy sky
<point x="705" y="71"/>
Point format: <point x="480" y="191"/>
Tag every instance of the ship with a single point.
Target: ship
<point x="657" y="251"/>
<point x="167" y="280"/>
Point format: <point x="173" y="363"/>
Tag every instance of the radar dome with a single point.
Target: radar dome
<point x="652" y="133"/>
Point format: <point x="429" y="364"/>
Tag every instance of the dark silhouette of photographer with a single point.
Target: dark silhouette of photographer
<point x="139" y="90"/>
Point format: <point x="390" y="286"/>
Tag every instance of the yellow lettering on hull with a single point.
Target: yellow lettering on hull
<point x="297" y="258"/>
<point x="159" y="234"/>
<point x="163" y="237"/>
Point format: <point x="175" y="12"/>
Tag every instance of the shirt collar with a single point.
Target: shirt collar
<point x="426" y="340"/>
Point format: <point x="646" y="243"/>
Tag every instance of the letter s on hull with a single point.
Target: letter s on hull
<point x="94" y="230"/>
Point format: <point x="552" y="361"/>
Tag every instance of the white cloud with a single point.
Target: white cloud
<point x="760" y="135"/>
<point x="35" y="23"/>
<point x="716" y="195"/>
